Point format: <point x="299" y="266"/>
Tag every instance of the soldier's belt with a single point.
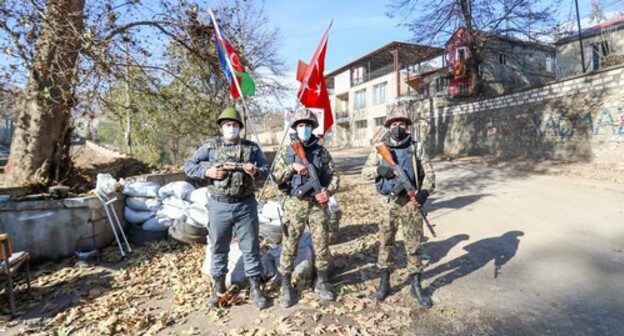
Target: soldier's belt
<point x="228" y="199"/>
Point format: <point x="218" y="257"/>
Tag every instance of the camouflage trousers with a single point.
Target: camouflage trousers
<point x="300" y="213"/>
<point x="394" y="214"/>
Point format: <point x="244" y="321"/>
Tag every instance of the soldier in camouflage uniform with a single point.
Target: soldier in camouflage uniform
<point x="232" y="204"/>
<point x="411" y="157"/>
<point x="307" y="209"/>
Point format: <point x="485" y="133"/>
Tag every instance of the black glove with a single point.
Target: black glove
<point x="385" y="171"/>
<point x="421" y="196"/>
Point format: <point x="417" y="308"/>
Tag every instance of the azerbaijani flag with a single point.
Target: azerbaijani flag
<point x="227" y="54"/>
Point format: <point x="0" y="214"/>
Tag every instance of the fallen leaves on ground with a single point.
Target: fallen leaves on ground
<point x="159" y="290"/>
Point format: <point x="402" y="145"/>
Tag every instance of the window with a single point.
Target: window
<point x="502" y="59"/>
<point x="360" y="124"/>
<point x="599" y="52"/>
<point x="379" y="93"/>
<point x="550" y="65"/>
<point x="441" y="85"/>
<point x="380" y="121"/>
<point x="463" y="88"/>
<point x="360" y="99"/>
<point x="460" y="54"/>
<point x="358" y="75"/>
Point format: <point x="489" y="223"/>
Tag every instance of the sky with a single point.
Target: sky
<point x="360" y="26"/>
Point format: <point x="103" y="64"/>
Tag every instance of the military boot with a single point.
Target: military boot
<point x="256" y="294"/>
<point x="384" y="286"/>
<point x="419" y="293"/>
<point x="323" y="288"/>
<point x="287" y="297"/>
<point x="219" y="290"/>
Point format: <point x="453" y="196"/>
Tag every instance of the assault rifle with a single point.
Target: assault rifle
<point x="313" y="180"/>
<point x="226" y="165"/>
<point x="402" y="182"/>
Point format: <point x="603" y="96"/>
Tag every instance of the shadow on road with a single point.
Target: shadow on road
<point x="500" y="249"/>
<point x="455" y="203"/>
<point x="350" y="165"/>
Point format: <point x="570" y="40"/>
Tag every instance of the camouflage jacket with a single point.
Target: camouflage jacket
<point x="425" y="169"/>
<point x="217" y="150"/>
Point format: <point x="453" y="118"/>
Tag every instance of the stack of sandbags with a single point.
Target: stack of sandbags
<point x="304" y="263"/>
<point x="269" y="214"/>
<point x="176" y="208"/>
<point x="187" y="207"/>
<point x="142" y="207"/>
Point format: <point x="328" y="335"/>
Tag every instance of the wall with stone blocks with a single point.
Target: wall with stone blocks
<point x="577" y="119"/>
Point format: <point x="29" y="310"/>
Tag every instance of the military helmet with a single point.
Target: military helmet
<point x="397" y="114"/>
<point x="304" y="115"/>
<point x="230" y="114"/>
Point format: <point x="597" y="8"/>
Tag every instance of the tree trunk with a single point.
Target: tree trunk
<point x="40" y="146"/>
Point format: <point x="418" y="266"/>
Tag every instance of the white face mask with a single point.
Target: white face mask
<point x="304" y="133"/>
<point x="230" y="132"/>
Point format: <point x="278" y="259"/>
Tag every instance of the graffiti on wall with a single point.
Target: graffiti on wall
<point x="566" y="124"/>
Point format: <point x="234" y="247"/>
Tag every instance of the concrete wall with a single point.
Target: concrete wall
<point x="578" y="119"/>
<point x="55" y="229"/>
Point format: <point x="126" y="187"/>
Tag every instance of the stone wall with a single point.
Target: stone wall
<point x="577" y="119"/>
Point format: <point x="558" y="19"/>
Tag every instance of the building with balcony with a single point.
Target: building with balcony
<point x="603" y="46"/>
<point x="506" y="64"/>
<point x="363" y="90"/>
<point x="424" y="78"/>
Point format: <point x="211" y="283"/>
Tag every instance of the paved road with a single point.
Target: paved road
<point x="559" y="242"/>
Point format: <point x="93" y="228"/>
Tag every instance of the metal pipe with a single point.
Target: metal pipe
<point x="578" y="21"/>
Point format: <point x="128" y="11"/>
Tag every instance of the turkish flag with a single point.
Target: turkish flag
<point x="313" y="90"/>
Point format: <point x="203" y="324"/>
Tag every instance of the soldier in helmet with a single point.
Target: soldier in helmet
<point x="395" y="212"/>
<point x="305" y="208"/>
<point x="232" y="205"/>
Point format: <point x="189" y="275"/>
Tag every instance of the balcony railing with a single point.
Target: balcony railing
<point x="342" y="116"/>
<point x="373" y="74"/>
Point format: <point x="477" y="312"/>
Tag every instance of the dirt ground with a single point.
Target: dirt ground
<point x="89" y="159"/>
<point x="514" y="255"/>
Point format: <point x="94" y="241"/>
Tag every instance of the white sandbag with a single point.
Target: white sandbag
<point x="269" y="266"/>
<point x="270" y="209"/>
<point x="136" y="216"/>
<point x="173" y="207"/>
<point x="179" y="189"/>
<point x="171" y="212"/>
<point x="142" y="189"/>
<point x="199" y="196"/>
<point x="236" y="269"/>
<point x="263" y="219"/>
<point x="198" y="213"/>
<point x="333" y="204"/>
<point x="190" y="221"/>
<point x="304" y="262"/>
<point x="143" y="203"/>
<point x="157" y="224"/>
<point x="105" y="183"/>
<point x="176" y="202"/>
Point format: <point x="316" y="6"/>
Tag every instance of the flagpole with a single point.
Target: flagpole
<point x="245" y="109"/>
<point x="305" y="84"/>
<point x="314" y="57"/>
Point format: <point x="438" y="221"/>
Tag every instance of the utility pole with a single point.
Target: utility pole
<point x="578" y="22"/>
<point x="127" y="137"/>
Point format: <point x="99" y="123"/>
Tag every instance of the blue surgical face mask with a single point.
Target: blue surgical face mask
<point x="304" y="133"/>
<point x="230" y="132"/>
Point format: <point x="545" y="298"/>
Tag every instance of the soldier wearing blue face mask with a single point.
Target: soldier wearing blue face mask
<point x="232" y="205"/>
<point x="305" y="208"/>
